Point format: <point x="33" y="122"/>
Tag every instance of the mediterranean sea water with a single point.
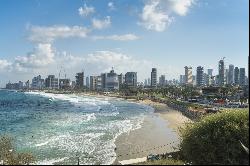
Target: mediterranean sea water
<point x="56" y="128"/>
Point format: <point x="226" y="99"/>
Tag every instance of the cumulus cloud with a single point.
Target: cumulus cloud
<point x="4" y="64"/>
<point x="85" y="10"/>
<point x="153" y="18"/>
<point x="101" y="24"/>
<point x="111" y="6"/>
<point x="181" y="7"/>
<point x="41" y="56"/>
<point x="126" y="37"/>
<point x="43" y="34"/>
<point x="157" y="15"/>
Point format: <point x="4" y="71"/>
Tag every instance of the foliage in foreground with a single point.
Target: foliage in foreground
<point x="8" y="155"/>
<point x="162" y="162"/>
<point x="215" y="139"/>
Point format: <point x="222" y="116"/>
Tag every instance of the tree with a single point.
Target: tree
<point x="9" y="156"/>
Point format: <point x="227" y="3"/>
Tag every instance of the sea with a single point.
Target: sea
<point x="62" y="128"/>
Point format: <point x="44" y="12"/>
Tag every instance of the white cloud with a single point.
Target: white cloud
<point x="153" y="18"/>
<point x="181" y="7"/>
<point x="41" y="56"/>
<point x="125" y="37"/>
<point x="42" y="34"/>
<point x="37" y="60"/>
<point x="101" y="24"/>
<point x="111" y="6"/>
<point x="157" y="15"/>
<point x="85" y="10"/>
<point x="4" y="64"/>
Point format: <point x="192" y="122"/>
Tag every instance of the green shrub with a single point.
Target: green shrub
<point x="215" y="139"/>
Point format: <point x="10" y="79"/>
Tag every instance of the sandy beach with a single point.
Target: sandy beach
<point x="158" y="129"/>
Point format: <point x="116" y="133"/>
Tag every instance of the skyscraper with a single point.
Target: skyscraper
<point x="206" y="79"/>
<point x="221" y="73"/>
<point x="87" y="82"/>
<point x="162" y="80"/>
<point x="110" y="81"/>
<point x="121" y="80"/>
<point x="131" y="79"/>
<point x="79" y="80"/>
<point x="182" y="79"/>
<point x="154" y="78"/>
<point x="199" y="76"/>
<point x="210" y="72"/>
<point x="231" y="74"/>
<point x="93" y="83"/>
<point x="37" y="82"/>
<point x="236" y="76"/>
<point x="51" y="82"/>
<point x="242" y="76"/>
<point x="226" y="76"/>
<point x="188" y="75"/>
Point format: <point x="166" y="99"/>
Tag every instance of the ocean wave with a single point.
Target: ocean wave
<point x="41" y="144"/>
<point x="72" y="119"/>
<point x="72" y="98"/>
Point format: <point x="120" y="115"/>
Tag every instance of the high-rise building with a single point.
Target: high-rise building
<point x="93" y="83"/>
<point x="145" y="82"/>
<point x="210" y="72"/>
<point x="188" y="75"/>
<point x="73" y="84"/>
<point x="131" y="79"/>
<point x="64" y="83"/>
<point x="236" y="76"/>
<point x="121" y="79"/>
<point x="226" y="76"/>
<point x="149" y="82"/>
<point x="154" y="78"/>
<point x="182" y="79"/>
<point x="221" y="73"/>
<point x="79" y="80"/>
<point x="103" y="78"/>
<point x="242" y="76"/>
<point x="206" y="79"/>
<point x="99" y="83"/>
<point x="199" y="76"/>
<point x="247" y="81"/>
<point x="27" y="84"/>
<point x="231" y="74"/>
<point x="194" y="80"/>
<point x="109" y="81"/>
<point x="162" y="80"/>
<point x="37" y="82"/>
<point x="51" y="82"/>
<point x="87" y="82"/>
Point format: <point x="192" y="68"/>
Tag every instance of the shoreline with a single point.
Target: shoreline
<point x="157" y="129"/>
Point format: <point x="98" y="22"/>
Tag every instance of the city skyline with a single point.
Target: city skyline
<point x="129" y="35"/>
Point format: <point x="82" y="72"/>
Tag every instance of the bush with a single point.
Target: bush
<point x="8" y="155"/>
<point x="215" y="139"/>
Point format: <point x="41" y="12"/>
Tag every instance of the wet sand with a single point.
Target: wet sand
<point x="158" y="129"/>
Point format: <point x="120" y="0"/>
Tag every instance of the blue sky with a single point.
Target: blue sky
<point x="41" y="36"/>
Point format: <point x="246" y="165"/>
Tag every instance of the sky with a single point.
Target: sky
<point x="69" y="36"/>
